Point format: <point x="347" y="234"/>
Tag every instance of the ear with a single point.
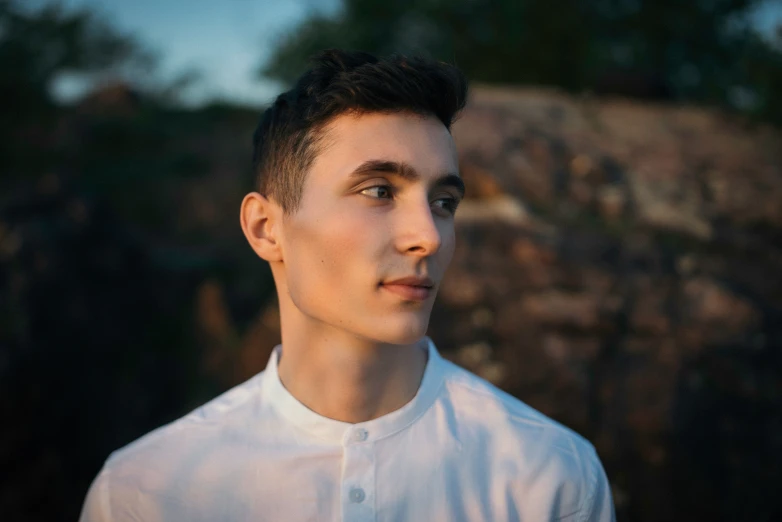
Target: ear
<point x="260" y="223"/>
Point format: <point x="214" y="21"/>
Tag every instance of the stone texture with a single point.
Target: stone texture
<point x="639" y="299"/>
<point x="617" y="267"/>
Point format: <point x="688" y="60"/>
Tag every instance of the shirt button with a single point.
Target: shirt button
<point x="360" y="435"/>
<point x="357" y="495"/>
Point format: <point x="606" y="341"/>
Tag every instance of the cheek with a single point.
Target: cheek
<point x="326" y="254"/>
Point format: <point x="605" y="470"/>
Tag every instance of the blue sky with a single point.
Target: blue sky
<point x="227" y="40"/>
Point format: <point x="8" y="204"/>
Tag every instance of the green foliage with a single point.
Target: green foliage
<point x="705" y="51"/>
<point x="761" y="68"/>
<point x="35" y="47"/>
<point x="98" y="274"/>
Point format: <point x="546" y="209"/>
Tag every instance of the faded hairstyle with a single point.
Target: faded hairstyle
<point x="289" y="133"/>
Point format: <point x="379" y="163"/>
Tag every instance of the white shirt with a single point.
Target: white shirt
<point x="461" y="450"/>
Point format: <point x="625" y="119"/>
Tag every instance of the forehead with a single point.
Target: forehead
<point x="420" y="141"/>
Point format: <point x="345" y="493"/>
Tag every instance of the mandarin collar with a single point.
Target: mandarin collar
<point x="339" y="432"/>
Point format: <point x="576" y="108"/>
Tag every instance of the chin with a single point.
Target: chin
<point x="408" y="330"/>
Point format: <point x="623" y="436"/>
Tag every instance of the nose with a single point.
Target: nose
<point x="418" y="231"/>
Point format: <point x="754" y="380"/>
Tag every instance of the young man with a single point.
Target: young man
<point x="357" y="417"/>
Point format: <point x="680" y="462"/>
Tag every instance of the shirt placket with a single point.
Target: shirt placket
<point x="358" y="477"/>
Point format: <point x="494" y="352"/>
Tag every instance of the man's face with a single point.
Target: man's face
<point x="377" y="206"/>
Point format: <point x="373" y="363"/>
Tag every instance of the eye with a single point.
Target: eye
<point x="448" y="204"/>
<point x="381" y="191"/>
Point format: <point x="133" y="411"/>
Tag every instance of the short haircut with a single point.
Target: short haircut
<point x="287" y="138"/>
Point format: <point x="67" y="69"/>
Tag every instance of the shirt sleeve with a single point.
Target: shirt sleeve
<point x="96" y="504"/>
<point x="599" y="503"/>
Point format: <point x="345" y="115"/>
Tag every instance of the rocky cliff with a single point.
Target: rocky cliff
<point x="618" y="268"/>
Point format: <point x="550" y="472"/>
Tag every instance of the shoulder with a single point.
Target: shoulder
<point x="523" y="444"/>
<point x="167" y="466"/>
<point x="478" y="402"/>
<point x="206" y="424"/>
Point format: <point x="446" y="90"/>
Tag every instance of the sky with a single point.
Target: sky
<point x="226" y="40"/>
<point x="229" y="39"/>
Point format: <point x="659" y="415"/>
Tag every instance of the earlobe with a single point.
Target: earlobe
<point x="259" y="224"/>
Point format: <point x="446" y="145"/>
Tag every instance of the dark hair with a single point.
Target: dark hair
<point x="286" y="140"/>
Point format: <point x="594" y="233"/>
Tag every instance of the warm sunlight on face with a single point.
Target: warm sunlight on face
<point x="377" y="206"/>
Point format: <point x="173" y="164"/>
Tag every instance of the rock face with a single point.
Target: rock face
<point x="618" y="268"/>
<point x="637" y="294"/>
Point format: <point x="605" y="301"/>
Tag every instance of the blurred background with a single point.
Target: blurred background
<point x="619" y="252"/>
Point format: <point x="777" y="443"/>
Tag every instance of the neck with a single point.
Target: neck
<point x="344" y="377"/>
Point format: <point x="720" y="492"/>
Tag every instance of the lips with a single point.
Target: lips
<point x="410" y="288"/>
<point x="412" y="281"/>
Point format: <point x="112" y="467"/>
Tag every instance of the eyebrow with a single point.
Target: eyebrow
<point x="406" y="171"/>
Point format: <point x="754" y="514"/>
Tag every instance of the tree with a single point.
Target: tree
<point x="96" y="328"/>
<point x="705" y="52"/>
<point x="35" y="47"/>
